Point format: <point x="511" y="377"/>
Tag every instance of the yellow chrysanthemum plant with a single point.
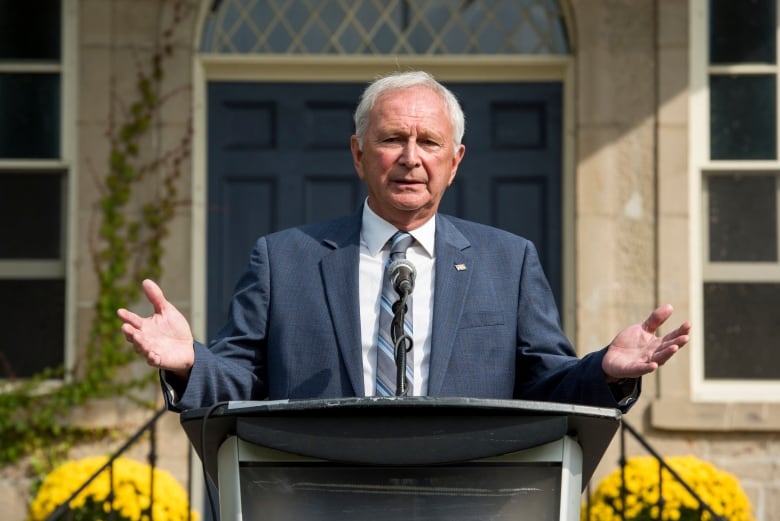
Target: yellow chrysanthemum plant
<point x="719" y="489"/>
<point x="131" y="501"/>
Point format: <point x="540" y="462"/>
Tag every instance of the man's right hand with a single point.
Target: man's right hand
<point x="163" y="339"/>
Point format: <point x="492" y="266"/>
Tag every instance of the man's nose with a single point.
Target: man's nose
<point x="410" y="156"/>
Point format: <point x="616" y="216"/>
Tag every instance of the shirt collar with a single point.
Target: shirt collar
<point x="375" y="232"/>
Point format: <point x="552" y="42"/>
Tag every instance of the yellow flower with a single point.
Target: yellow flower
<point x="719" y="489"/>
<point x="131" y="502"/>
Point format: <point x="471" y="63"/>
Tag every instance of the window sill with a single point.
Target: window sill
<point x="685" y="415"/>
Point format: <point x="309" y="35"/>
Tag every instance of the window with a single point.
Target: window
<point x="33" y="188"/>
<point x="740" y="187"/>
<point x="433" y="27"/>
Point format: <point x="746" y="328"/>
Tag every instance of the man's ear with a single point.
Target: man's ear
<point x="357" y="155"/>
<point x="456" y="162"/>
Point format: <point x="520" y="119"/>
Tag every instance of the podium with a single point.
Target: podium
<point x="400" y="459"/>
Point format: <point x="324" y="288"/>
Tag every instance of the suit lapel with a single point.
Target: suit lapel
<point x="339" y="271"/>
<point x="453" y="275"/>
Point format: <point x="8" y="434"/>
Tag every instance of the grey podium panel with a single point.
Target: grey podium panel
<point x="410" y="459"/>
<point x="473" y="492"/>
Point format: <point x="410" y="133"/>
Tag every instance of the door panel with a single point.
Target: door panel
<point x="511" y="175"/>
<point x="278" y="156"/>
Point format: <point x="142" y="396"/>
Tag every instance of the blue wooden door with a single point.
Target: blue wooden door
<point x="278" y="156"/>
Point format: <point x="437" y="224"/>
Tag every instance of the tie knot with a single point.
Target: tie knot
<point x="399" y="243"/>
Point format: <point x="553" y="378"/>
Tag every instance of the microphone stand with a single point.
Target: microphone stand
<point x="402" y="344"/>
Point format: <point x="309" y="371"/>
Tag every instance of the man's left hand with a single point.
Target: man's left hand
<point x="637" y="351"/>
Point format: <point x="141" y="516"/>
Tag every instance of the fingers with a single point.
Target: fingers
<point x="128" y="317"/>
<point x="136" y="337"/>
<point x="657" y="318"/>
<point x="663" y="354"/>
<point x="681" y="332"/>
<point x="153" y="359"/>
<point x="647" y="368"/>
<point x="133" y="327"/>
<point x="635" y="370"/>
<point x="133" y="335"/>
<point x="154" y="294"/>
<point x="671" y="343"/>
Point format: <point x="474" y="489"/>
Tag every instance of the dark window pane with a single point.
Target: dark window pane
<point x="742" y="31"/>
<point x="743" y="218"/>
<point x="32" y="319"/>
<point x="30" y="30"/>
<point x="31" y="213"/>
<point x="741" y="331"/>
<point x="742" y="117"/>
<point x="30" y="122"/>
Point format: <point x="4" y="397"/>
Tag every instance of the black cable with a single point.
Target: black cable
<point x="401" y="384"/>
<point x="208" y="413"/>
<point x="402" y="344"/>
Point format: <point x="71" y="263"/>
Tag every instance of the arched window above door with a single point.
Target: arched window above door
<point x="382" y="27"/>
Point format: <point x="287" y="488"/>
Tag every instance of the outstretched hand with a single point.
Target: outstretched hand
<point x="637" y="350"/>
<point x="163" y="339"/>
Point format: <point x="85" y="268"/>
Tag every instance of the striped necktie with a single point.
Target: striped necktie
<point x="386" y="369"/>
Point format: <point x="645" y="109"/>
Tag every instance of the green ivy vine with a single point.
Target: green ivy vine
<point x="34" y="413"/>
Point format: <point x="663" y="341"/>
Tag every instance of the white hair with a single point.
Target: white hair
<point x="405" y="80"/>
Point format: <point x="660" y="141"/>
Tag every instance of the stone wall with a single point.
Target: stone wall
<point x="114" y="38"/>
<point x="632" y="63"/>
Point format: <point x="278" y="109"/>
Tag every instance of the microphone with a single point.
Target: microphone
<point x="402" y="274"/>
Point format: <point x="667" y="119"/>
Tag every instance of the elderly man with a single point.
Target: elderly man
<point x="306" y="317"/>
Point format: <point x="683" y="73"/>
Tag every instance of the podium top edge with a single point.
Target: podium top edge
<point x="411" y="404"/>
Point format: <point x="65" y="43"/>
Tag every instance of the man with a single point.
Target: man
<point x="304" y="319"/>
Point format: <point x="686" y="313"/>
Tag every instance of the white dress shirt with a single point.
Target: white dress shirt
<point x="374" y="235"/>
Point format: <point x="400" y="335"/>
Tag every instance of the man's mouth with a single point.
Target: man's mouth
<point x="408" y="181"/>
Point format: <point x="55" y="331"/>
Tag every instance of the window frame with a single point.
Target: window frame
<point x="66" y="266"/>
<point x="702" y="167"/>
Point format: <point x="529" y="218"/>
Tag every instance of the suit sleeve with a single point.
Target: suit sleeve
<point x="233" y="366"/>
<point x="547" y="367"/>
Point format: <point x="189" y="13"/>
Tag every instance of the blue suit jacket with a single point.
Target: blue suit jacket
<point x="294" y="324"/>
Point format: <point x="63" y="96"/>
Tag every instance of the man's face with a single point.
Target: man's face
<point x="408" y="158"/>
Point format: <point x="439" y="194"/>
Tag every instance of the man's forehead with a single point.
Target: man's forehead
<point x="402" y="108"/>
